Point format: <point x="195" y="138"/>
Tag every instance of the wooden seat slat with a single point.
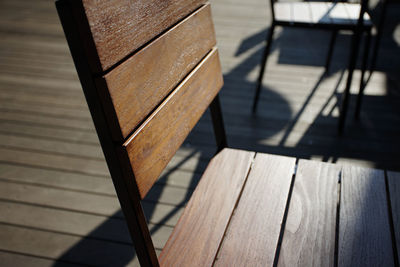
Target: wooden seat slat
<point x="139" y="84"/>
<point x="253" y="233"/>
<point x="394" y="191"/>
<point x="311" y="220"/>
<point x="364" y="231"/>
<point x="155" y="142"/>
<point x="119" y="27"/>
<point x="199" y="231"/>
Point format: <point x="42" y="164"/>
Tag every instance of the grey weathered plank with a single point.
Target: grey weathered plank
<point x="66" y="247"/>
<point x="394" y="191"/>
<point x="223" y="185"/>
<point x="88" y="166"/>
<point x="309" y="236"/>
<point x="75" y="223"/>
<point x="18" y="260"/>
<point x="58" y="198"/>
<point x="364" y="231"/>
<point x="252" y="235"/>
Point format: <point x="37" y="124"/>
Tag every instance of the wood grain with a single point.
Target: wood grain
<point x="309" y="237"/>
<point x="198" y="233"/>
<point x="144" y="80"/>
<point x="119" y="27"/>
<point x="252" y="236"/>
<point x="394" y="190"/>
<point x="155" y="142"/>
<point x="364" y="232"/>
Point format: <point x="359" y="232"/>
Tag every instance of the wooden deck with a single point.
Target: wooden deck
<point x="57" y="203"/>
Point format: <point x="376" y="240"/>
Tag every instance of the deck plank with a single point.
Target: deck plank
<point x="309" y="237"/>
<point x="394" y="191"/>
<point x="60" y="246"/>
<point x="364" y="231"/>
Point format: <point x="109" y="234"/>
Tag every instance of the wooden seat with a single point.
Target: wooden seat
<point x="149" y="70"/>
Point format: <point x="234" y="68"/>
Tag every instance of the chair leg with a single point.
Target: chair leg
<point x="352" y="63"/>
<point x="218" y="124"/>
<point x="330" y="51"/>
<point x="263" y="64"/>
<point x="363" y="68"/>
<point x="378" y="35"/>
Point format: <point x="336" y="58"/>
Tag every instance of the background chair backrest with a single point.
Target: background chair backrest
<point x="149" y="69"/>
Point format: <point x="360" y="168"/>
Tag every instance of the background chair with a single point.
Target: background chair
<point x="333" y="16"/>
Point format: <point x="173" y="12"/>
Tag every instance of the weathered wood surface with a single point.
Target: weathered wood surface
<point x="364" y="231"/>
<point x="252" y="236"/>
<point x="155" y="142"/>
<point x="119" y="27"/>
<point x="309" y="237"/>
<point x="139" y="84"/>
<point x="43" y="109"/>
<point x="393" y="179"/>
<point x="197" y="235"/>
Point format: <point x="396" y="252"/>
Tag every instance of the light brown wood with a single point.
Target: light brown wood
<point x="394" y="190"/>
<point x="364" y="231"/>
<point x="155" y="142"/>
<point x="309" y="237"/>
<point x="144" y="80"/>
<point x="121" y="26"/>
<point x="199" y="231"/>
<point x="252" y="236"/>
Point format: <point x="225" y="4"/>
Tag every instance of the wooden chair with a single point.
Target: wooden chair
<point x="149" y="69"/>
<point x="333" y="16"/>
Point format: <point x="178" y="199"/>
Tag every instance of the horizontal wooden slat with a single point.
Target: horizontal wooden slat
<point x="364" y="231"/>
<point x="141" y="82"/>
<point x="121" y="26"/>
<point x="309" y="237"/>
<point x="197" y="235"/>
<point x="252" y="236"/>
<point x="155" y="142"/>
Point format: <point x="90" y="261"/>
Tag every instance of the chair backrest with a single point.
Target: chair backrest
<point x="149" y="69"/>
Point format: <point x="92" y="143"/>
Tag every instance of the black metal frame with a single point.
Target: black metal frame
<point x="357" y="29"/>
